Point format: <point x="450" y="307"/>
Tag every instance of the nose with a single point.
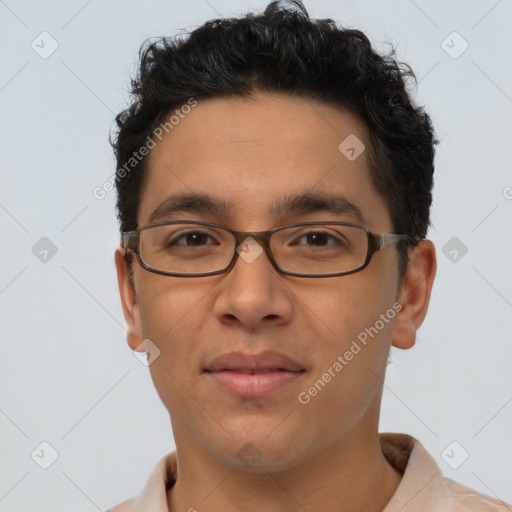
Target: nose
<point x="253" y="294"/>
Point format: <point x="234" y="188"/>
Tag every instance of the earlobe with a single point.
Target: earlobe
<point x="129" y="301"/>
<point x="414" y="296"/>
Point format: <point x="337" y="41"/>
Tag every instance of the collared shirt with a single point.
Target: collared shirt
<point x="423" y="487"/>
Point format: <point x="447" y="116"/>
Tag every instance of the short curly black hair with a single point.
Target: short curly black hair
<point x="284" y="51"/>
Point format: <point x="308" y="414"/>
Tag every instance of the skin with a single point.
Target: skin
<point x="321" y="456"/>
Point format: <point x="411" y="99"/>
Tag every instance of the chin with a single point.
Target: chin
<point x="262" y="453"/>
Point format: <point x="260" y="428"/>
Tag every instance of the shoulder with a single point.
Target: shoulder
<point x="153" y="496"/>
<point x="424" y="487"/>
<point x="125" y="506"/>
<point x="465" y="499"/>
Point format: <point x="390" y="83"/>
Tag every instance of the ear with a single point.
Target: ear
<point x="129" y="300"/>
<point x="414" y="296"/>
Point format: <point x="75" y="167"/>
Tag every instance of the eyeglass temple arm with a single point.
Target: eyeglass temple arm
<point x="129" y="240"/>
<point x="388" y="239"/>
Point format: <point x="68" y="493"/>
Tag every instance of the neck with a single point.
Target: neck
<point x="349" y="475"/>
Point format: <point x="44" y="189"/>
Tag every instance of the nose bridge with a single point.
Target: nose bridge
<point x="260" y="237"/>
<point x="251" y="294"/>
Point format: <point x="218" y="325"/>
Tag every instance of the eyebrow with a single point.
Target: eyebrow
<point x="285" y="205"/>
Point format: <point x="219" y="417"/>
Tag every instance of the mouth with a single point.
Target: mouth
<point x="253" y="375"/>
<point x="254" y="383"/>
<point x="257" y="372"/>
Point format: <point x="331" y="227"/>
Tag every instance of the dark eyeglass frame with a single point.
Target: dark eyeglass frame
<point x="130" y="241"/>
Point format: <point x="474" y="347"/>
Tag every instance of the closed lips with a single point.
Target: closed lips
<point x="257" y="372"/>
<point x="253" y="376"/>
<point x="263" y="362"/>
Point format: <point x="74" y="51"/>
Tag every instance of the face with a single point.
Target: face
<point x="250" y="154"/>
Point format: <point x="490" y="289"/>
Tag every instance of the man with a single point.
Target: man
<point x="274" y="185"/>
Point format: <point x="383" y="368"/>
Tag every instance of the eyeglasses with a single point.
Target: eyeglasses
<point x="187" y="248"/>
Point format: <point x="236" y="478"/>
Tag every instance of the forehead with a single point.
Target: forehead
<point x="252" y="153"/>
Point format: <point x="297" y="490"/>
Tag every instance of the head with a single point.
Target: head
<point x="262" y="105"/>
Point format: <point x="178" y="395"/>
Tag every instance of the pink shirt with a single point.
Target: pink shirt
<point x="423" y="488"/>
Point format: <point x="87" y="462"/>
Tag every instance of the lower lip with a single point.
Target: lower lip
<point x="256" y="385"/>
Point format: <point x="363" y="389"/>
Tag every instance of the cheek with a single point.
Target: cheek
<point x="346" y="382"/>
<point x="341" y="311"/>
<point x="168" y="306"/>
<point x="177" y="316"/>
<point x="172" y="315"/>
<point x="352" y="340"/>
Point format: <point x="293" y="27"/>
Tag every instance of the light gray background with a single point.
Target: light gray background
<point x="67" y="374"/>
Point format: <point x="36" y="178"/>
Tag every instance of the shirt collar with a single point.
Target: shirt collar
<point x="421" y="475"/>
